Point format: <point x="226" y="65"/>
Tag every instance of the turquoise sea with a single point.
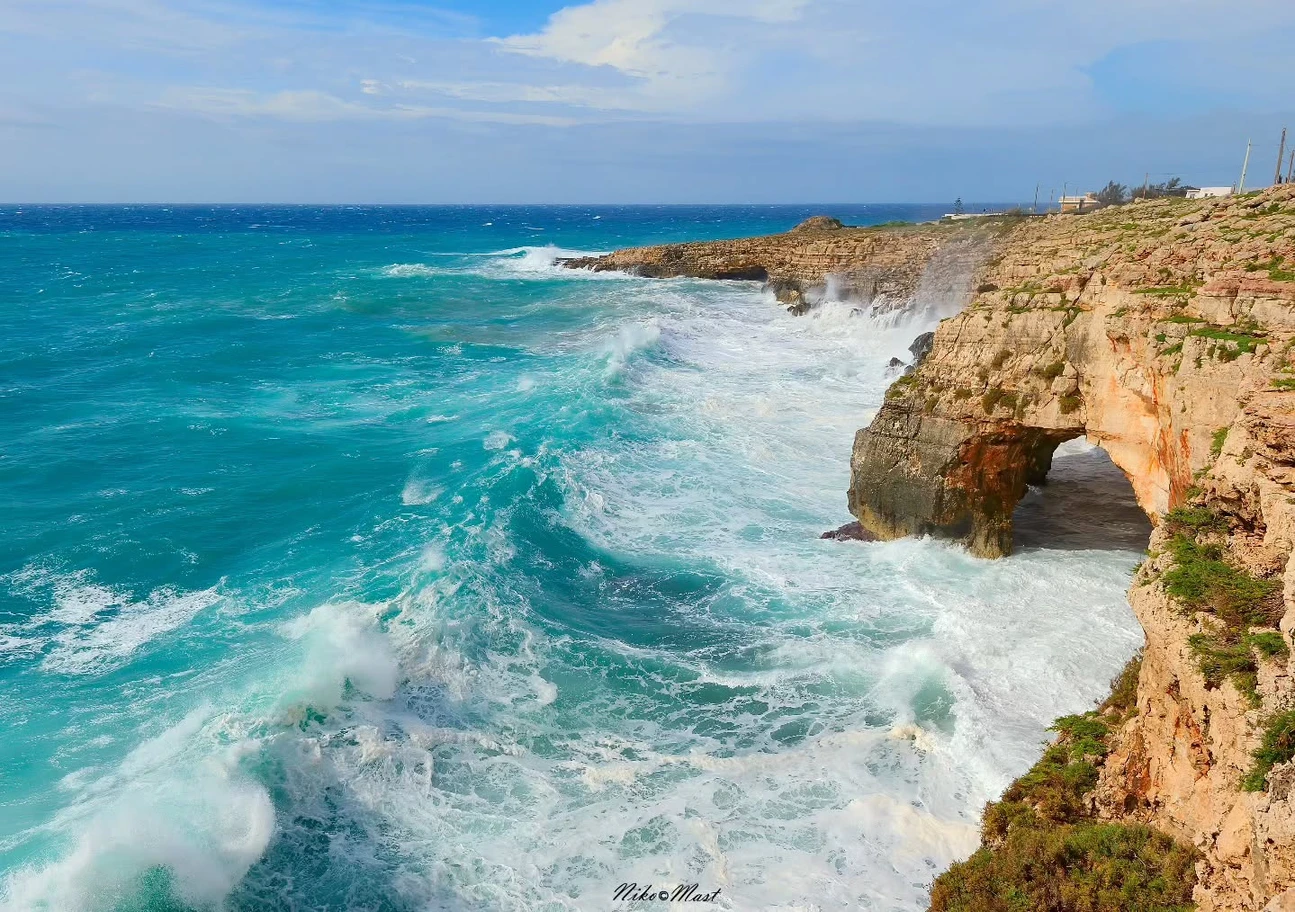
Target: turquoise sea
<point x="364" y="559"/>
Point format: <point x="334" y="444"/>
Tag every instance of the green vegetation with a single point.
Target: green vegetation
<point x="1200" y="579"/>
<point x="1194" y="520"/>
<point x="961" y="393"/>
<point x="1105" y="867"/>
<point x="1000" y="359"/>
<point x="1220" y="658"/>
<point x="1123" y="701"/>
<point x="1278" y="747"/>
<point x="1271" y="644"/>
<point x="901" y="386"/>
<point x="1165" y="291"/>
<point x="1052" y="371"/>
<point x="1245" y="342"/>
<point x="1171" y="187"/>
<point x="1043" y="851"/>
<point x="1216" y="442"/>
<point x="997" y="396"/>
<point x="1274" y="269"/>
<point x="1070" y="404"/>
<point x="1284" y="383"/>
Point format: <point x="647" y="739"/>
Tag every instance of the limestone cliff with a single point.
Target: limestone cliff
<point x="1162" y="331"/>
<point x="880" y="266"/>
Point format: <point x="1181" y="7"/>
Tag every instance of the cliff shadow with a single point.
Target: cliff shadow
<point x="1086" y="502"/>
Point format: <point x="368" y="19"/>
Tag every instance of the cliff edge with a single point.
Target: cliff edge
<point x="880" y="266"/>
<point x="1163" y="331"/>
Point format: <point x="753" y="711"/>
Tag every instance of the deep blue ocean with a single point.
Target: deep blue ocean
<point x="365" y="559"/>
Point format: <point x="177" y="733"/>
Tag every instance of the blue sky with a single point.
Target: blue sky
<point x="632" y="100"/>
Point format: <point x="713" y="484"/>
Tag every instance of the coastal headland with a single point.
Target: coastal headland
<point x="1164" y="332"/>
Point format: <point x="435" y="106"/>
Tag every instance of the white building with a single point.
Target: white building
<point x="1086" y="203"/>
<point x="1196" y="193"/>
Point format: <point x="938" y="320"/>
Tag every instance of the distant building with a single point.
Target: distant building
<point x="1086" y="203"/>
<point x="1196" y="193"/>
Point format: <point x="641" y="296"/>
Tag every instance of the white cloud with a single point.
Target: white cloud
<point x="310" y="106"/>
<point x="573" y="95"/>
<point x="639" y="38"/>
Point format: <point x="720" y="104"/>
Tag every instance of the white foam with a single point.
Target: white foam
<point x="343" y="646"/>
<point x="630" y="339"/>
<point x="419" y="492"/>
<point x="177" y="801"/>
<point x="497" y="440"/>
<point x="795" y="754"/>
<point x="90" y="628"/>
<point x="411" y="270"/>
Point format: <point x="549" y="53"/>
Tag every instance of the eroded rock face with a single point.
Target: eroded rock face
<point x="1164" y="332"/>
<point x="882" y="266"/>
<point x="1147" y="343"/>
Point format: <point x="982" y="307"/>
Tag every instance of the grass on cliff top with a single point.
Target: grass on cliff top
<point x="1043" y="851"/>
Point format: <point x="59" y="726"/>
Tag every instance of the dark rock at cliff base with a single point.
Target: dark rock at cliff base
<point x="893" y="365"/>
<point x="820" y="223"/>
<point x="921" y="347"/>
<point x="850" y="532"/>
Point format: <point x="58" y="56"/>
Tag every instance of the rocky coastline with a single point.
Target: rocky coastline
<point x="881" y="267"/>
<point x="1164" y="332"/>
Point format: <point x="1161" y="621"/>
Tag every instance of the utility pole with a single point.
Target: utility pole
<point x="1290" y="169"/>
<point x="1035" y="207"/>
<point x="1245" y="166"/>
<point x="1281" y="153"/>
<point x="1146" y="184"/>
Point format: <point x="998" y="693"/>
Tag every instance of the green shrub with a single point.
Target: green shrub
<point x="1123" y="700"/>
<point x="1092" y="867"/>
<point x="1278" y="747"/>
<point x="1284" y="383"/>
<point x="1270" y="644"/>
<point x="1216" y="442"/>
<point x="901" y="386"/>
<point x="1000" y="359"/>
<point x="1221" y="657"/>
<point x="1195" y="520"/>
<point x="1245" y="342"/>
<point x="1070" y="404"/>
<point x="1052" y="371"/>
<point x="995" y="397"/>
<point x="1043" y="850"/>
<point x="1201" y="579"/>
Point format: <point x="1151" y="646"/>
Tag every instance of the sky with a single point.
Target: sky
<point x="625" y="101"/>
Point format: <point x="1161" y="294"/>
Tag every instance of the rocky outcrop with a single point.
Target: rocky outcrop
<point x="1164" y="332"/>
<point x="881" y="266"/>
